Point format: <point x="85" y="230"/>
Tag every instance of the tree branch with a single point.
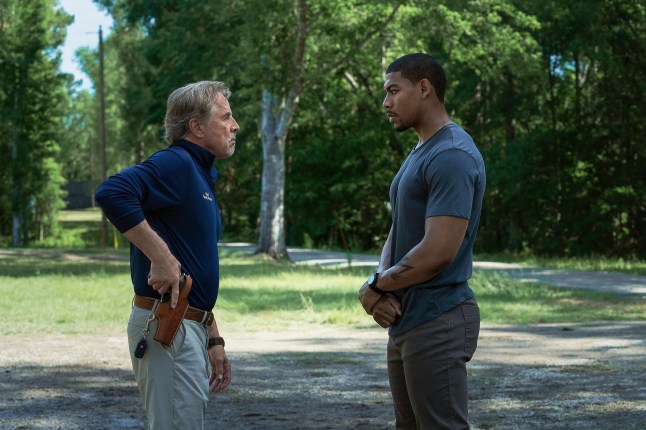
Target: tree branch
<point x="359" y="45"/>
<point x="297" y="87"/>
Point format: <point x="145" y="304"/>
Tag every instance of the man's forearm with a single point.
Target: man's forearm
<point x="164" y="267"/>
<point x="367" y="297"/>
<point x="148" y="241"/>
<point x="213" y="331"/>
<point x="416" y="267"/>
<point x="384" y="260"/>
<point x="443" y="236"/>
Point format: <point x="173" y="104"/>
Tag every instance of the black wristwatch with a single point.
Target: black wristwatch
<point x="372" y="283"/>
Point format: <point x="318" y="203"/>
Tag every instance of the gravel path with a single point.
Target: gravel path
<point x="575" y="376"/>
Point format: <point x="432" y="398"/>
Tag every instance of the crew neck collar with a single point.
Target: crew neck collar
<point x="420" y="145"/>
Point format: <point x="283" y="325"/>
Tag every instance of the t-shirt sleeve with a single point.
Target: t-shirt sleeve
<point x="451" y="178"/>
<point x="157" y="183"/>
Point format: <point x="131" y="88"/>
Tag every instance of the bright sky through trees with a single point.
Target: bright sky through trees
<point x="83" y="32"/>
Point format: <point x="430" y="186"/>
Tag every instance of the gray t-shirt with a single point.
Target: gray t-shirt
<point x="443" y="177"/>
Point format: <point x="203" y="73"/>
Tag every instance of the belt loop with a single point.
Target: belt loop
<point x="205" y="316"/>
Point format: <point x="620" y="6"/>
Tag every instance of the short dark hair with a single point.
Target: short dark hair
<point x="416" y="67"/>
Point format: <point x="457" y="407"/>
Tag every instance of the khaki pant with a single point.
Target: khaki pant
<point x="173" y="381"/>
<point x="427" y="370"/>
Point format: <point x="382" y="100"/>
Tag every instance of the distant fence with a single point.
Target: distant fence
<point x="79" y="194"/>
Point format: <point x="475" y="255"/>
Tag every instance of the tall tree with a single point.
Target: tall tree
<point x="277" y="116"/>
<point x="276" y="37"/>
<point x="285" y="82"/>
<point x="31" y="115"/>
<point x="551" y="92"/>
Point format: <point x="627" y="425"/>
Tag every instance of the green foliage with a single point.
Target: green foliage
<point x="32" y="96"/>
<point x="537" y="84"/>
<point x="552" y="92"/>
<point x="553" y="116"/>
<point x="79" y="149"/>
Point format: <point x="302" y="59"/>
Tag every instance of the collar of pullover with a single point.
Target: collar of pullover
<point x="204" y="157"/>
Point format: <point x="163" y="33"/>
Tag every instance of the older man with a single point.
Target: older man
<point x="167" y="208"/>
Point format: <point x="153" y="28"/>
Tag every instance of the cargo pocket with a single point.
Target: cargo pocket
<point x="471" y="314"/>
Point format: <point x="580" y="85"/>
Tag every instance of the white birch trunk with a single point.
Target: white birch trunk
<point x="272" y="201"/>
<point x="276" y="118"/>
<point x="277" y="115"/>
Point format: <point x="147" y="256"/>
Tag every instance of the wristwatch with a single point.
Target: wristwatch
<point x="372" y="283"/>
<point x="215" y="341"/>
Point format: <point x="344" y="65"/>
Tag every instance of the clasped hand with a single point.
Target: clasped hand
<point x="385" y="309"/>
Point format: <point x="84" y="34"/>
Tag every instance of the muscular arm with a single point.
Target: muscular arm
<point x="443" y="236"/>
<point x="384" y="310"/>
<point x="367" y="297"/>
<point x="384" y="260"/>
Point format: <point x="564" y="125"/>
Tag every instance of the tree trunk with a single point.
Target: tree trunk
<point x="277" y="115"/>
<point x="275" y="123"/>
<point x="15" y="180"/>
<point x="102" y="155"/>
<point x="15" y="230"/>
<point x="272" y="201"/>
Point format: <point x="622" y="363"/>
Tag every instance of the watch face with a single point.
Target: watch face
<point x="372" y="279"/>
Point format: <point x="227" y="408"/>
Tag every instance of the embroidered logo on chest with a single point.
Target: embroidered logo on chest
<point x="207" y="196"/>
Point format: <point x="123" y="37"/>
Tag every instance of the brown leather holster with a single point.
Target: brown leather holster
<point x="171" y="318"/>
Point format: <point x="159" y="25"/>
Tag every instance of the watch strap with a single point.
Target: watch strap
<point x="373" y="285"/>
<point x="215" y="341"/>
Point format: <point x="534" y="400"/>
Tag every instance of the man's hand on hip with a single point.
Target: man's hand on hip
<point x="164" y="267"/>
<point x="164" y="275"/>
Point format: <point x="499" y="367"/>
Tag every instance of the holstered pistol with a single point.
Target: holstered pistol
<point x="171" y="318"/>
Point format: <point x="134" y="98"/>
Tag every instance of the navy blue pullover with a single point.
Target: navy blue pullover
<point x="173" y="191"/>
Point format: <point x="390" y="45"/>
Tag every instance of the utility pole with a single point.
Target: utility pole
<point x="103" y="169"/>
<point x="92" y="184"/>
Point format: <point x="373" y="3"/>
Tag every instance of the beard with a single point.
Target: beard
<point x="401" y="127"/>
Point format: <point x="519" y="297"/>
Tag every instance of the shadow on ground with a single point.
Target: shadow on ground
<point x="68" y="397"/>
<point x="297" y="390"/>
<point x="552" y="376"/>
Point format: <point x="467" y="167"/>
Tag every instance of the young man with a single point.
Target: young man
<point x="167" y="209"/>
<point x="420" y="291"/>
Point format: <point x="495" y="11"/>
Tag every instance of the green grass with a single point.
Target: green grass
<point x="592" y="263"/>
<point x="81" y="228"/>
<point x="507" y="301"/>
<point x="62" y="292"/>
<point x="53" y="291"/>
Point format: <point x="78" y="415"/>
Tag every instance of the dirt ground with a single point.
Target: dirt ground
<point x="578" y="376"/>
